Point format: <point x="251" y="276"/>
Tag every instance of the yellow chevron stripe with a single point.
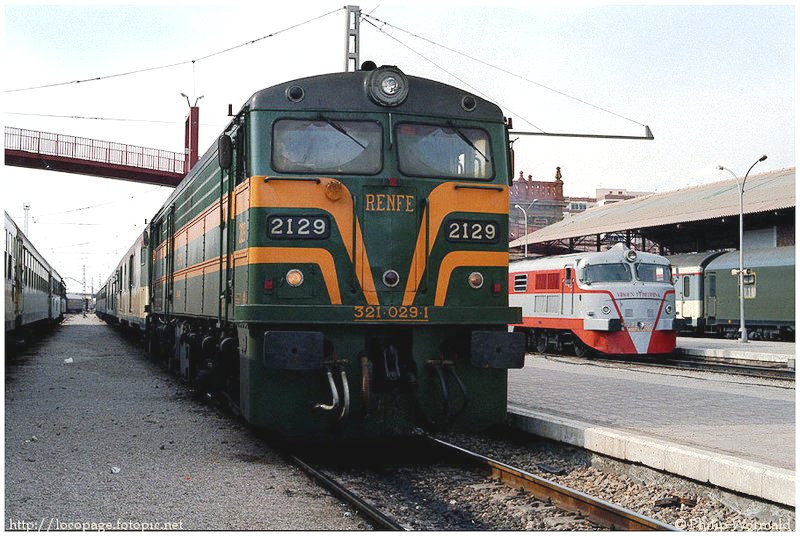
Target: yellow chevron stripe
<point x="443" y="200"/>
<point x="309" y="194"/>
<point x="319" y="256"/>
<point x="456" y="259"/>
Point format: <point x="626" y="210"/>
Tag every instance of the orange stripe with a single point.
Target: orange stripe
<point x="456" y="259"/>
<point x="309" y="194"/>
<point x="443" y="200"/>
<point x="320" y="257"/>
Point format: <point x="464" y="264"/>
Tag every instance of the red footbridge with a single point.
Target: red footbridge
<point x="72" y="154"/>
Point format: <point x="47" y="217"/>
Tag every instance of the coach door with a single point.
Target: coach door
<point x="567" y="295"/>
<point x="711" y="296"/>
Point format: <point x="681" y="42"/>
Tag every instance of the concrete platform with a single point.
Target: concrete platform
<point x="740" y="437"/>
<point x="756" y="351"/>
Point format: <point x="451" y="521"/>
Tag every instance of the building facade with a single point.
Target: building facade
<point x="543" y="201"/>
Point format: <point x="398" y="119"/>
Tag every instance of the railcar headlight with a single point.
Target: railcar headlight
<point x="387" y="86"/>
<point x="668" y="309"/>
<point x="630" y="255"/>
<point x="294" y="277"/>
<point x="475" y="280"/>
<point x="606" y="309"/>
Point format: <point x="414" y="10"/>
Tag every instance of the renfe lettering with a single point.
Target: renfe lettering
<point x="390" y="203"/>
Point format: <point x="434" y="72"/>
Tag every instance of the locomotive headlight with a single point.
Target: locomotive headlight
<point x="630" y="255"/>
<point x="294" y="277"/>
<point x="387" y="86"/>
<point x="475" y="280"/>
<point x="668" y="309"/>
<point x="390" y="85"/>
<point x="606" y="309"/>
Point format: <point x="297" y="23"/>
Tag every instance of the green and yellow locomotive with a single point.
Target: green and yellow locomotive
<point x="337" y="264"/>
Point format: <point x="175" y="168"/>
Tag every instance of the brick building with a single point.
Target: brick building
<point x="542" y="200"/>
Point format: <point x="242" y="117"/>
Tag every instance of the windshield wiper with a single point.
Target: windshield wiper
<point x="468" y="141"/>
<point x="341" y="129"/>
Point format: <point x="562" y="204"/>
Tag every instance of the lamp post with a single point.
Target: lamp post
<point x="525" y="213"/>
<point x="743" y="336"/>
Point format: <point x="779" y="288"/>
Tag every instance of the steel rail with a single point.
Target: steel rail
<point x="381" y="520"/>
<point x="603" y="513"/>
<point x="752" y="371"/>
<point x="701" y="365"/>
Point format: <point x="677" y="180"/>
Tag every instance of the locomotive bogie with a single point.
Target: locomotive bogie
<point x="398" y="378"/>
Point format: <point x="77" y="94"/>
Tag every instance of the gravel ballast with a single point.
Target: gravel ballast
<point x="110" y="441"/>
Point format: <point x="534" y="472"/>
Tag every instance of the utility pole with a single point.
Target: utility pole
<point x="84" y="279"/>
<point x="26" y="207"/>
<point x="191" y="133"/>
<point x="352" y="39"/>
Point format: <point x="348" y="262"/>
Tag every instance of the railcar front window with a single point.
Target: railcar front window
<point x="440" y="151"/>
<point x="653" y="273"/>
<point x="607" y="273"/>
<point x="327" y="146"/>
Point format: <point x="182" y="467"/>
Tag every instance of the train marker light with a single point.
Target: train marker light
<point x="475" y="280"/>
<point x="334" y="190"/>
<point x="269" y="284"/>
<point x="497" y="288"/>
<point x="294" y="277"/>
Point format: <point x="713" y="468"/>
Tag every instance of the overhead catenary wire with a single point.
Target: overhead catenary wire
<point x="99" y="204"/>
<point x="476" y="90"/>
<point x="120" y="119"/>
<point x="175" y="64"/>
<point x="501" y="69"/>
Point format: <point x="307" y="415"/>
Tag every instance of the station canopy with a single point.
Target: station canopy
<point x="679" y="217"/>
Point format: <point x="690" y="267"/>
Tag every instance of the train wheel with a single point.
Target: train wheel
<point x="541" y="343"/>
<point x="580" y="349"/>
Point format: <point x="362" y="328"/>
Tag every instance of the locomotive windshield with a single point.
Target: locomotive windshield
<point x="327" y="146"/>
<point x="444" y="151"/>
<point x="607" y="273"/>
<point x="653" y="273"/>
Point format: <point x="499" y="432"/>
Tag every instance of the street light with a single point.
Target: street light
<point x="743" y="336"/>
<point x="190" y="102"/>
<point x="525" y="213"/>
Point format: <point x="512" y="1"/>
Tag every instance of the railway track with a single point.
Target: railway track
<point x="681" y="363"/>
<point x="684" y="363"/>
<point x="599" y="513"/>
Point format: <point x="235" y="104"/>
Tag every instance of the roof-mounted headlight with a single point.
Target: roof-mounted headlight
<point x="630" y="255"/>
<point x="387" y="86"/>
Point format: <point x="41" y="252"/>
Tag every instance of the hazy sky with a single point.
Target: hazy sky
<point x="715" y="84"/>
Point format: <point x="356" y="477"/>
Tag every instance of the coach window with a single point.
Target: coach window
<point x="607" y="273"/>
<point x="568" y="276"/>
<point x="444" y="151"/>
<point x="687" y="287"/>
<point x="327" y="146"/>
<point x="652" y="273"/>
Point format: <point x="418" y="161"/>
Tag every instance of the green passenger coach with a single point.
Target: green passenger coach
<point x="336" y="266"/>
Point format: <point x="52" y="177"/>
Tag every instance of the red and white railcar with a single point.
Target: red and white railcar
<point x="618" y="301"/>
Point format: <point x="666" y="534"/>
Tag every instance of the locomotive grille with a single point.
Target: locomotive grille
<point x="520" y="282"/>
